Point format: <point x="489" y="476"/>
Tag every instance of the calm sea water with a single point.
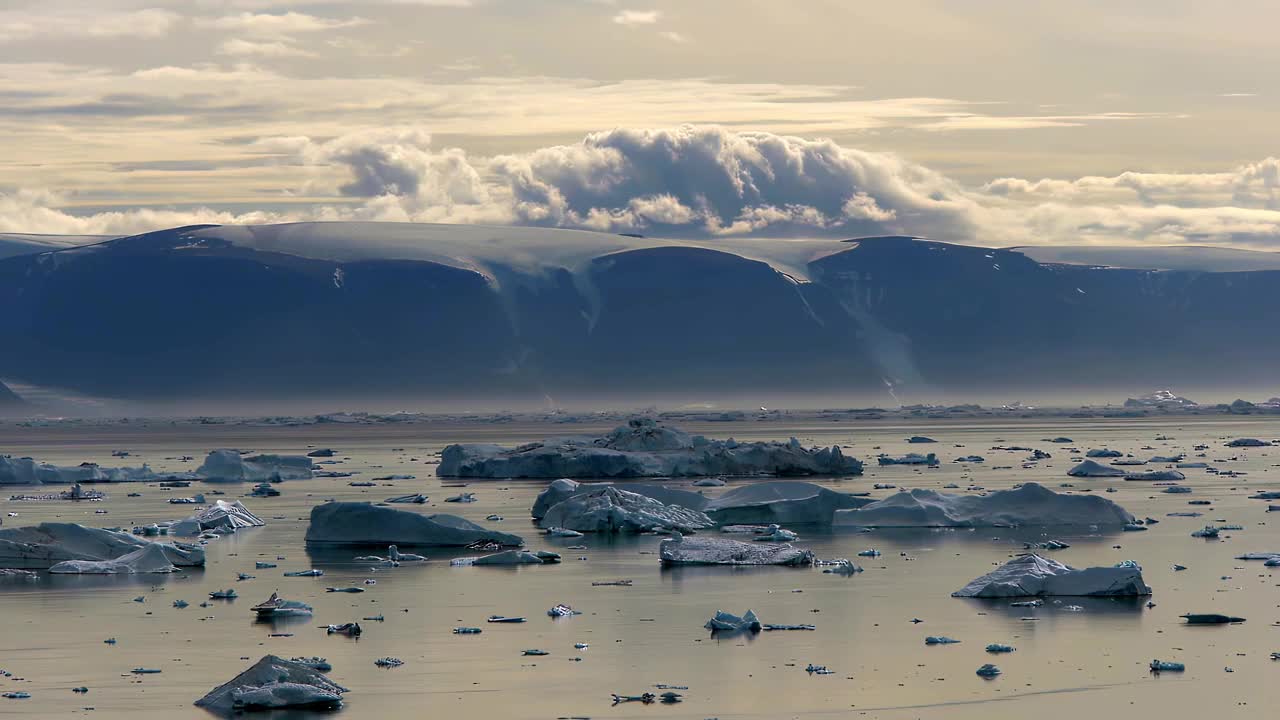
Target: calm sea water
<point x="1068" y="664"/>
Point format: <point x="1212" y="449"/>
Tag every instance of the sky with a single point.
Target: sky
<point x="978" y="121"/>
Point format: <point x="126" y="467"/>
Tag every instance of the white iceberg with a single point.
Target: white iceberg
<point x="1035" y="576"/>
<point x="1090" y="468"/>
<point x="1031" y="504"/>
<point x="222" y="516"/>
<point x="273" y="683"/>
<point x="150" y="558"/>
<point x="39" y="547"/>
<point x="643" y="448"/>
<point x="680" y="550"/>
<point x="1249" y="442"/>
<point x="349" y="523"/>
<point x="26" y="471"/>
<point x="780" y="503"/>
<point x="564" y="488"/>
<point x="612" y="509"/>
<point x="231" y="466"/>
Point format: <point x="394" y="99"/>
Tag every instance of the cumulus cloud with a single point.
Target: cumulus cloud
<point x="147" y="23"/>
<point x="276" y="25"/>
<point x="249" y="48"/>
<point x="710" y="181"/>
<point x="637" y="17"/>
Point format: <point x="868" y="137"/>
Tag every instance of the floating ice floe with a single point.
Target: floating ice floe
<point x="1156" y="475"/>
<point x="276" y="606"/>
<point x="231" y="466"/>
<point x="988" y="670"/>
<point x="1104" y="453"/>
<point x="1090" y="468"/>
<point x="1167" y="666"/>
<point x="643" y="448"/>
<point x="510" y="557"/>
<point x="780" y="503"/>
<point x="908" y="459"/>
<point x="939" y="640"/>
<point x="347" y="523"/>
<point x="1210" y="619"/>
<point x="612" y="509"/>
<point x="1031" y="504"/>
<point x="728" y="622"/>
<point x="564" y="488"/>
<point x="415" y="499"/>
<point x="273" y="683"/>
<point x="1035" y="576"/>
<point x="679" y="550"/>
<point x="1249" y="442"/>
<point x="40" y="547"/>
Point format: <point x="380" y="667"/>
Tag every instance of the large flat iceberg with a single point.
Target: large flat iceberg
<point x="350" y="523"/>
<point x="1036" y="576"/>
<point x="231" y="466"/>
<point x="1031" y="504"/>
<point x="26" y="471"/>
<point x="39" y="547"/>
<point x="643" y="448"/>
<point x="613" y="509"/>
<point x="780" y="503"/>
<point x="679" y="550"/>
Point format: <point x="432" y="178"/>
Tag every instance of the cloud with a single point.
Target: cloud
<point x="708" y="181"/>
<point x="272" y="25"/>
<point x="148" y="23"/>
<point x="249" y="48"/>
<point x="637" y="17"/>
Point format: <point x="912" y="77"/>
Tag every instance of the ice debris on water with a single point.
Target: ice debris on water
<point x="680" y="550"/>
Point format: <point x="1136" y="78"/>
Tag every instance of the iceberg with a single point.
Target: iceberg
<point x="680" y="550"/>
<point x="1035" y="576"/>
<point x="1030" y="504"/>
<point x="1249" y="442"/>
<point x="230" y="466"/>
<point x="40" y="547"/>
<point x="643" y="448"/>
<point x="273" y="683"/>
<point x="510" y="557"/>
<point x="730" y="623"/>
<point x="150" y="558"/>
<point x="564" y="488"/>
<point x="612" y="510"/>
<point x="1156" y="475"/>
<point x="350" y="523"/>
<point x="222" y="515"/>
<point x="1090" y="468"/>
<point x="909" y="459"/>
<point x="25" y="471"/>
<point x="780" y="503"/>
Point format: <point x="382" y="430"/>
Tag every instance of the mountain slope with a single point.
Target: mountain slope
<point x="366" y="310"/>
